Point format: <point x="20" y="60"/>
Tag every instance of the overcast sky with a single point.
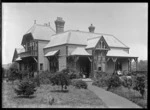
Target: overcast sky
<point x="126" y="21"/>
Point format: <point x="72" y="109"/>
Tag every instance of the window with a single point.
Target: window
<point x="99" y="68"/>
<point x="41" y="66"/>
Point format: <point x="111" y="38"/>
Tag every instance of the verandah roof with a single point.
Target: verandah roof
<point x="51" y="53"/>
<point x="119" y="53"/>
<point x="80" y="51"/>
<point x="18" y="59"/>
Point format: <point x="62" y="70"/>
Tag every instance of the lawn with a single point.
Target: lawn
<point x="131" y="95"/>
<point x="72" y="98"/>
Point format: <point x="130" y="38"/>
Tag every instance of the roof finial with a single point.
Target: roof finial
<point x="34" y="21"/>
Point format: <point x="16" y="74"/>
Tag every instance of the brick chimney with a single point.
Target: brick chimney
<point x="91" y="28"/>
<point x="59" y="22"/>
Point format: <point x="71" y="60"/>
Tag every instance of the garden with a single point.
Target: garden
<point x="132" y="86"/>
<point x="47" y="90"/>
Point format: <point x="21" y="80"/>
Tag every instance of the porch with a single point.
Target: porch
<point x="28" y="64"/>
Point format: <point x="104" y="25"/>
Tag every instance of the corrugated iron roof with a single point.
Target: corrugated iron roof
<point x="51" y="53"/>
<point x="91" y="43"/>
<point x="18" y="59"/>
<point x="41" y="32"/>
<point x="80" y="51"/>
<point x="81" y="38"/>
<point x="119" y="53"/>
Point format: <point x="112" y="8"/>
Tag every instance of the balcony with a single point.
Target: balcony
<point x="32" y="53"/>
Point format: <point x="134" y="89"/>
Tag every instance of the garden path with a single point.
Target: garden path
<point x="110" y="99"/>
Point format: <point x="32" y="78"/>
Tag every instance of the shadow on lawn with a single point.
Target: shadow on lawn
<point x="63" y="91"/>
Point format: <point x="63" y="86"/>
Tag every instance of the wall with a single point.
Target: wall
<point x="72" y="65"/>
<point x="41" y="58"/>
<point x="62" y="56"/>
<point x="110" y="66"/>
<point x="125" y="64"/>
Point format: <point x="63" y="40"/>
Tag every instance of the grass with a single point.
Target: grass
<point x="131" y="95"/>
<point x="71" y="98"/>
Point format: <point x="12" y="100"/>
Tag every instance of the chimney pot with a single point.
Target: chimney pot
<point x="91" y="28"/>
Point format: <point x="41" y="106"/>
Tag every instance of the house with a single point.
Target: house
<point x="46" y="49"/>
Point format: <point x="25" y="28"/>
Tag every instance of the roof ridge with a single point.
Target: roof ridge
<point x="46" y="26"/>
<point x="91" y="32"/>
<point x="60" y="33"/>
<point x="33" y="26"/>
<point x="69" y="34"/>
<point x="120" y="41"/>
<point x="94" y="37"/>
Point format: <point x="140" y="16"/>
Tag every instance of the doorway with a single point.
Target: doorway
<point x="84" y="66"/>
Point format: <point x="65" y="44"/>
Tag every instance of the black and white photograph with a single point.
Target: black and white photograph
<point x="74" y="55"/>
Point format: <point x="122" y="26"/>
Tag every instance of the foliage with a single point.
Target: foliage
<point x="141" y="66"/>
<point x="126" y="82"/>
<point x="140" y="84"/>
<point x="79" y="84"/>
<point x="61" y="79"/>
<point x="14" y="74"/>
<point x="25" y="73"/>
<point x="131" y="95"/>
<point x="25" y="88"/>
<point x="101" y="79"/>
<point x="73" y="76"/>
<point x="44" y="78"/>
<point x="114" y="82"/>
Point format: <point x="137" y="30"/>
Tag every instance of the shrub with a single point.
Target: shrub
<point x="14" y="74"/>
<point x="61" y="79"/>
<point x="101" y="79"/>
<point x="73" y="76"/>
<point x="44" y="78"/>
<point x="25" y="88"/>
<point x="140" y="84"/>
<point x="79" y="84"/>
<point x="114" y="82"/>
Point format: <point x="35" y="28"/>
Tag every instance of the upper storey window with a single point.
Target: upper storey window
<point x="31" y="46"/>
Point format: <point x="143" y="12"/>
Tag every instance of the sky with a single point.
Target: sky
<point x="126" y="21"/>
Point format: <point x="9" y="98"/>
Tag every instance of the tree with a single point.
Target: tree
<point x="140" y="84"/>
<point x="61" y="79"/>
<point x="25" y="88"/>
<point x="13" y="72"/>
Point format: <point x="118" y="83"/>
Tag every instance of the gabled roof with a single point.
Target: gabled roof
<point x="80" y="51"/>
<point x="119" y="53"/>
<point x="17" y="52"/>
<point x="91" y="43"/>
<point x="81" y="38"/>
<point x="40" y="32"/>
